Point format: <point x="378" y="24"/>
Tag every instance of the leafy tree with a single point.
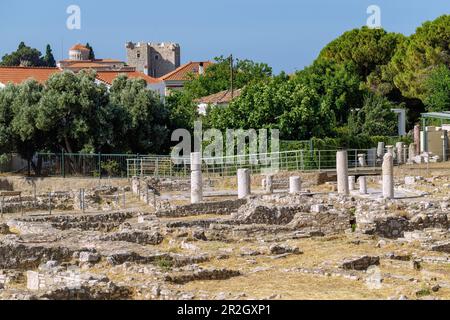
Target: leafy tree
<point x="291" y="107"/>
<point x="28" y="139"/>
<point x="7" y="96"/>
<point x="438" y="90"/>
<point x="375" y="118"/>
<point x="217" y="76"/>
<point x="417" y="57"/>
<point x="182" y="110"/>
<point x="49" y="59"/>
<point x="23" y="56"/>
<point x="338" y="86"/>
<point x="91" y="51"/>
<point x="71" y="111"/>
<point x="138" y="115"/>
<point x="366" y="48"/>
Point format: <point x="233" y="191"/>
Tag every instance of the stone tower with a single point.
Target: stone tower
<point x="153" y="59"/>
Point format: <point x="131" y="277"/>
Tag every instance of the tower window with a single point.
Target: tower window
<point x="138" y="54"/>
<point x="156" y="57"/>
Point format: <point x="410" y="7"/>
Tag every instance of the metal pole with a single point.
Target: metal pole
<point x="63" y="164"/>
<point x="21" y="206"/>
<point x="82" y="201"/>
<point x="34" y="194"/>
<point x="50" y="203"/>
<point x="3" y="202"/>
<point x="319" y="160"/>
<point x="123" y="198"/>
<point x="99" y="166"/>
<point x="231" y="77"/>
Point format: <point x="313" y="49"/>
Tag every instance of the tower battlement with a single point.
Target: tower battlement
<point x="153" y="59"/>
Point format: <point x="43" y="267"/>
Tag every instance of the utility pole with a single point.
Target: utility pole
<point x="231" y="77"/>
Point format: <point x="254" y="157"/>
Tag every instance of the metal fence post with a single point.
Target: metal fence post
<point x="124" y="198"/>
<point x="34" y="195"/>
<point x="82" y="201"/>
<point x="319" y="159"/>
<point x="50" y="203"/>
<point x="21" y="205"/>
<point x="99" y="165"/>
<point x="63" y="164"/>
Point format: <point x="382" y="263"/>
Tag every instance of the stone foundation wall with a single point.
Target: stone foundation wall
<point x="217" y="208"/>
<point x="395" y="227"/>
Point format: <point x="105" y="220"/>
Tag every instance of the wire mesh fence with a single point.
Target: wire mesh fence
<point x="299" y="160"/>
<point x="84" y="165"/>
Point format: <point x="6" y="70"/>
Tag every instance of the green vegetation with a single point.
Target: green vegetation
<point x="72" y="113"/>
<point x="347" y="93"/>
<point x="344" y="99"/>
<point x="111" y="167"/>
<point x="164" y="263"/>
<point x="28" y="57"/>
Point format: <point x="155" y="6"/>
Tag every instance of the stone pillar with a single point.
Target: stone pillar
<point x="342" y="172"/>
<point x="362" y="160"/>
<point x="399" y="147"/>
<point x="196" y="178"/>
<point x="388" y="176"/>
<point x="362" y="185"/>
<point x="351" y="183"/>
<point x="135" y="185"/>
<point x="444" y="145"/>
<point x="405" y="153"/>
<point x="263" y="184"/>
<point x="412" y="152"/>
<point x="269" y="184"/>
<point x="380" y="150"/>
<point x="295" y="185"/>
<point x="33" y="281"/>
<point x="371" y="157"/>
<point x="244" y="183"/>
<point x="417" y="138"/>
<point x="390" y="150"/>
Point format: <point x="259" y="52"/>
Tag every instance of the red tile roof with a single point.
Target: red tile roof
<point x="17" y="75"/>
<point x="79" y="47"/>
<point x="93" y="61"/>
<point x="223" y="97"/>
<point x="182" y="73"/>
<point x="86" y="65"/>
<point x="109" y="76"/>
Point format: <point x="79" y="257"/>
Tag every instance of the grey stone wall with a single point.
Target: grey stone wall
<point x="154" y="59"/>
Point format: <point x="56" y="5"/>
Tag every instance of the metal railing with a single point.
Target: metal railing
<point x="83" y="164"/>
<point x="299" y="160"/>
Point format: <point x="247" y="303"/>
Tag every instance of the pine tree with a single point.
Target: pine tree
<point x="91" y="51"/>
<point x="49" y="59"/>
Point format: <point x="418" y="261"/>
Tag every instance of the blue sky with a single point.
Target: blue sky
<point x="287" y="34"/>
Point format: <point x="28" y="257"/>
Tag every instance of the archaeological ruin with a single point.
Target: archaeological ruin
<point x="248" y="235"/>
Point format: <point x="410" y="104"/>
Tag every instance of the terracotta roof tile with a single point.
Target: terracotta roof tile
<point x="182" y="73"/>
<point x="93" y="61"/>
<point x="17" y="75"/>
<point x="222" y="97"/>
<point x="109" y="76"/>
<point x="79" y="47"/>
